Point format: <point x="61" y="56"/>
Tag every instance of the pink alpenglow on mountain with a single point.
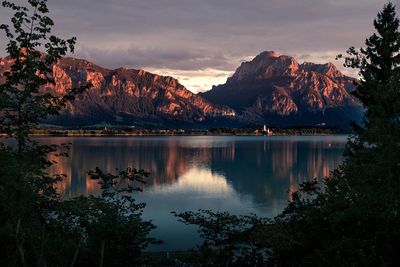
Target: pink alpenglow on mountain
<point x="126" y="96"/>
<point x="271" y="89"/>
<point x="278" y="90"/>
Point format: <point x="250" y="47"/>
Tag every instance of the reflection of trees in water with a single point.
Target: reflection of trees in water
<point x="283" y="157"/>
<point x="165" y="160"/>
<point x="264" y="170"/>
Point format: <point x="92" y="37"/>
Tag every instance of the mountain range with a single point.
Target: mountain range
<point x="277" y="90"/>
<point x="271" y="89"/>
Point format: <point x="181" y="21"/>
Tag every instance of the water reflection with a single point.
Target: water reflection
<point x="209" y="184"/>
<point x="237" y="174"/>
<point x="264" y="168"/>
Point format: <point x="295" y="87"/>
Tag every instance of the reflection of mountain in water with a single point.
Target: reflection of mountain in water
<point x="263" y="169"/>
<point x="199" y="181"/>
<point x="268" y="170"/>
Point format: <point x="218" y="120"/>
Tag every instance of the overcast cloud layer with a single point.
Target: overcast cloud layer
<point x="201" y="42"/>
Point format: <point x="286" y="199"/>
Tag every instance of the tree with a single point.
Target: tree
<point x="26" y="188"/>
<point x="354" y="220"/>
<point x="37" y="226"/>
<point x="376" y="142"/>
<point x="105" y="230"/>
<point x="24" y="101"/>
<point x="229" y="240"/>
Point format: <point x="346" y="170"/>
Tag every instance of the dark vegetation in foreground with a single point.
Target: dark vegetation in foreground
<point x="37" y="227"/>
<point x="351" y="219"/>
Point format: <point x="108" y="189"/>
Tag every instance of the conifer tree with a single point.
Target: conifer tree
<point x="354" y="220"/>
<point x="376" y="142"/>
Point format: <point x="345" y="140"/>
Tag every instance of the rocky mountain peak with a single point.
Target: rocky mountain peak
<point x="268" y="54"/>
<point x="270" y="64"/>
<point x="328" y="69"/>
<point x="283" y="66"/>
<point x="126" y="96"/>
<point x="277" y="85"/>
<point x="266" y="65"/>
<point x="270" y="89"/>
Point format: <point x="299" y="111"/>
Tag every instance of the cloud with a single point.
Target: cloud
<point x="158" y="57"/>
<point x="196" y="80"/>
<point x="223" y="27"/>
<point x="193" y="35"/>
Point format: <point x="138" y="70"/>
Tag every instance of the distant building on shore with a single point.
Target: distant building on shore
<point x="266" y="131"/>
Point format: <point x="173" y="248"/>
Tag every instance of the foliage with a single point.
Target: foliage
<point x="37" y="226"/>
<point x="354" y="219"/>
<point x="110" y="223"/>
<point x="229" y="240"/>
<point x="23" y="101"/>
<point x="26" y="191"/>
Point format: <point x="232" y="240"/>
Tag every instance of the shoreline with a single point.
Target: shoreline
<point x="180" y="132"/>
<point x="185" y="135"/>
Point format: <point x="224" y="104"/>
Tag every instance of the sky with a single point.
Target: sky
<point x="202" y="42"/>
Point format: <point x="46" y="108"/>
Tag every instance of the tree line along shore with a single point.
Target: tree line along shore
<point x="185" y="132"/>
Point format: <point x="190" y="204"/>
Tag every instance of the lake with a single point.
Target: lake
<point x="241" y="175"/>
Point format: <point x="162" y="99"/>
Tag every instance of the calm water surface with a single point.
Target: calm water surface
<point x="241" y="175"/>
